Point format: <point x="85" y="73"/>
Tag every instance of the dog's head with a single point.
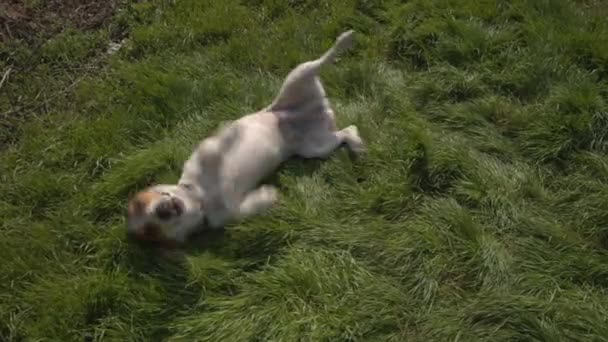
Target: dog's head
<point x="164" y="214"/>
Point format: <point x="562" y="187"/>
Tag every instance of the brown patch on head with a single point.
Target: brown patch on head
<point x="139" y="203"/>
<point x="148" y="232"/>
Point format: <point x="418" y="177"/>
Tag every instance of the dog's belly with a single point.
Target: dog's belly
<point x="259" y="150"/>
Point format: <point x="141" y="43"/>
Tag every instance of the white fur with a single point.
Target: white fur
<point x="220" y="181"/>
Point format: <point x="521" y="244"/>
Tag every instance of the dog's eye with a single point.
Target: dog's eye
<point x="165" y="194"/>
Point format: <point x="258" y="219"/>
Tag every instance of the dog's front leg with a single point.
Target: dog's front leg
<point x="258" y="201"/>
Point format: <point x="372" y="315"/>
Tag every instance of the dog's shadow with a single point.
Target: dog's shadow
<point x="168" y="270"/>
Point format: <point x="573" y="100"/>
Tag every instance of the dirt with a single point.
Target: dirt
<point x="28" y="24"/>
<point x="28" y="19"/>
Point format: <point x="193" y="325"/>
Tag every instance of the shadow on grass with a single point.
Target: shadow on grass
<point x="166" y="269"/>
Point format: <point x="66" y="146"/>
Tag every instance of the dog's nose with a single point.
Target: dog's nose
<point x="164" y="210"/>
<point x="177" y="205"/>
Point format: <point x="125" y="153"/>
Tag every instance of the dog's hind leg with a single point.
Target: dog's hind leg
<point x="322" y="144"/>
<point x="302" y="84"/>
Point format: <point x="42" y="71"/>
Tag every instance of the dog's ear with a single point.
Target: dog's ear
<point x="135" y="209"/>
<point x="136" y="206"/>
<point x="139" y="202"/>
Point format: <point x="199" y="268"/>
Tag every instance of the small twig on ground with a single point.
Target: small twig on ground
<point x="5" y="76"/>
<point x="8" y="30"/>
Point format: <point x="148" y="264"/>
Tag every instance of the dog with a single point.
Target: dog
<point x="220" y="181"/>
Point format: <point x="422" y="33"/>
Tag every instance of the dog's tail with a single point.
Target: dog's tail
<point x="299" y="86"/>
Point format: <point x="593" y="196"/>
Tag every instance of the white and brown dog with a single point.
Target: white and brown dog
<point x="220" y="182"/>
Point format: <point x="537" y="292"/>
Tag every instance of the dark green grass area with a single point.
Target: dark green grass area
<point x="480" y="212"/>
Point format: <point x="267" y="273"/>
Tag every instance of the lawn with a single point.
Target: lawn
<point x="479" y="214"/>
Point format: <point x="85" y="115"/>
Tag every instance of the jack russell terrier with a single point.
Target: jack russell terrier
<point x="220" y="181"/>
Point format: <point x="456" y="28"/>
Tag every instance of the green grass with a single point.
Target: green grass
<point x="480" y="213"/>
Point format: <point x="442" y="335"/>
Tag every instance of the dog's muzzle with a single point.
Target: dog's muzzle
<point x="169" y="208"/>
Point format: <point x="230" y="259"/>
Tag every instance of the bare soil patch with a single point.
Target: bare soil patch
<point x="26" y="20"/>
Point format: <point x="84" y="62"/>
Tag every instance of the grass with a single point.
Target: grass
<point x="480" y="214"/>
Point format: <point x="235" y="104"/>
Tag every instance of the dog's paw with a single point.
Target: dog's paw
<point x="357" y="152"/>
<point x="356" y="145"/>
<point x="268" y="195"/>
<point x="258" y="201"/>
<point x="352" y="131"/>
<point x="346" y="40"/>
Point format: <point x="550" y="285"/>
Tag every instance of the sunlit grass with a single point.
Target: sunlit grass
<point x="480" y="213"/>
